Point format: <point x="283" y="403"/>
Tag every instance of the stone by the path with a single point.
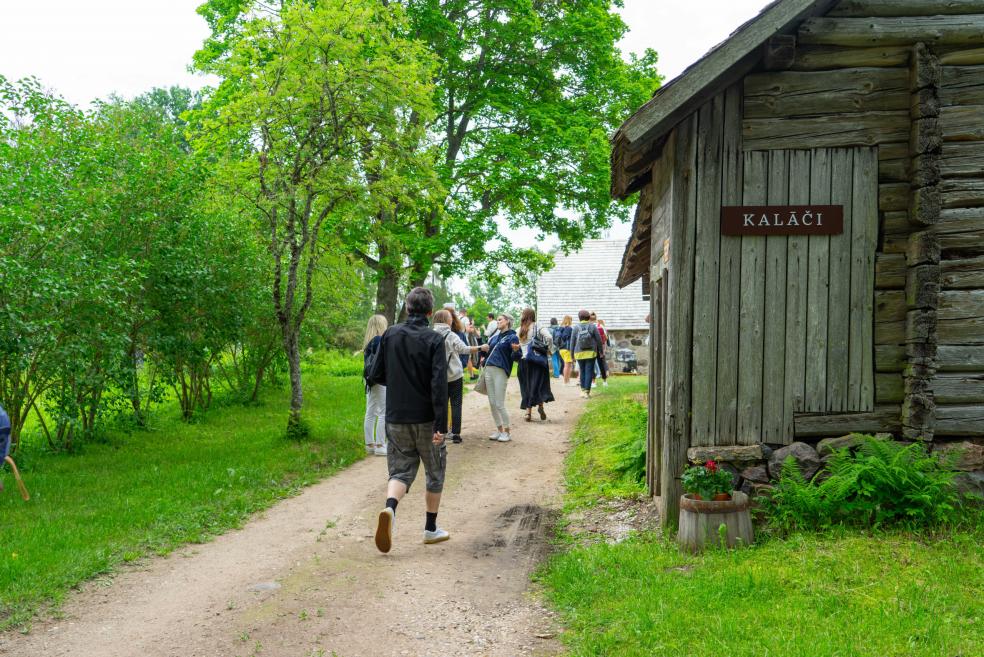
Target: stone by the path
<point x="806" y="457"/>
<point x="971" y="455"/>
<point x="828" y="446"/>
<point x="756" y="473"/>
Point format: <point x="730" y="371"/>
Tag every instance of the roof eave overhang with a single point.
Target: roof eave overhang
<point x="720" y="67"/>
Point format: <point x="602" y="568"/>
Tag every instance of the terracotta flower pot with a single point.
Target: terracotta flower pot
<point x="722" y="497"/>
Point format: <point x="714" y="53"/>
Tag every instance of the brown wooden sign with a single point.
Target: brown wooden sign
<point x="782" y="220"/>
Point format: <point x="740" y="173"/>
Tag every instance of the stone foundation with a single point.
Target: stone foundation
<point x="756" y="467"/>
<point x="635" y="339"/>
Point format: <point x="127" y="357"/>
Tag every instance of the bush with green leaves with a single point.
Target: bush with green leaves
<point x="883" y="483"/>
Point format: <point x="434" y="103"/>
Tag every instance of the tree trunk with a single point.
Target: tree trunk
<point x="295" y="425"/>
<point x="387" y="292"/>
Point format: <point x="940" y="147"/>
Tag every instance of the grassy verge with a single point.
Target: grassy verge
<point x="842" y="594"/>
<point x="146" y="493"/>
<point x="610" y="435"/>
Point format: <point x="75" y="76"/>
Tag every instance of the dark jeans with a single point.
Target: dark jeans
<point x="454" y="396"/>
<point x="558" y="364"/>
<point x="586" y="368"/>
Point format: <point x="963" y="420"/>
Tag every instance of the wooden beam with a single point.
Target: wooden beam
<point x="964" y="273"/>
<point x="962" y="159"/>
<point x="965" y="123"/>
<point x="892" y="31"/>
<point x="826" y="131"/>
<point x="824" y="58"/>
<point x="882" y="418"/>
<point x="797" y="93"/>
<point x="961" y="358"/>
<point x="960" y="420"/>
<point x="906" y="7"/>
<point x="959" y="388"/>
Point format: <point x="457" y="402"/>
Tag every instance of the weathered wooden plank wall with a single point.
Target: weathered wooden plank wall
<point x="775" y="332"/>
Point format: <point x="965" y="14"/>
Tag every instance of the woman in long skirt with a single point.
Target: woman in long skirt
<point x="534" y="366"/>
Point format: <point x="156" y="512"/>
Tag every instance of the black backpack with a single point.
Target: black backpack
<point x="369" y="355"/>
<point x="586" y="338"/>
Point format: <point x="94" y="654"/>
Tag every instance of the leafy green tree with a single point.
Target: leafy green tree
<point x="305" y="86"/>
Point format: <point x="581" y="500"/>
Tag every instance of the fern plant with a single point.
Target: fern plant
<point x="883" y="483"/>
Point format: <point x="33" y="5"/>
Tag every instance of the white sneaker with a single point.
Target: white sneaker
<point x="604" y="383"/>
<point x="504" y="438"/>
<point x="384" y="530"/>
<point x="380" y="451"/>
<point x="495" y="436"/>
<point x="437" y="536"/>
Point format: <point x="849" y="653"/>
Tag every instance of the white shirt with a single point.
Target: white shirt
<point x="491" y="327"/>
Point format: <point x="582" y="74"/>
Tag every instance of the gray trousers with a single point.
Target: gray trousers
<point x="496" y="380"/>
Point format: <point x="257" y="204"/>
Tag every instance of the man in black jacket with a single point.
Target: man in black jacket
<point x="411" y="363"/>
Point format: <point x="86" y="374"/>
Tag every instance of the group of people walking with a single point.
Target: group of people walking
<point x="414" y="376"/>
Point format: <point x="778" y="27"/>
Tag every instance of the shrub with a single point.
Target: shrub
<point x="884" y="483"/>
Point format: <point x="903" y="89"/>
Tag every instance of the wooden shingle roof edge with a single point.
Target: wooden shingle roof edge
<point x="638" y="141"/>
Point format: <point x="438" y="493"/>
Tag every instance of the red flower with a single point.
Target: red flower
<point x="711" y="466"/>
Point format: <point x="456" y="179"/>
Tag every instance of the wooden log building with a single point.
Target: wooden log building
<point x="772" y="330"/>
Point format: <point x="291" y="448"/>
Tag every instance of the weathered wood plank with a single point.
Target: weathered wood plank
<point x="864" y="231"/>
<point x="798" y="93"/>
<point x="962" y="85"/>
<point x="889" y="388"/>
<point x="962" y="159"/>
<point x="750" y="347"/>
<point x="818" y="291"/>
<point x="963" y="273"/>
<point x="958" y="388"/>
<point x="906" y="8"/>
<point x="839" y="306"/>
<point x="704" y="376"/>
<point x="676" y="438"/>
<point x="823" y="58"/>
<point x="955" y="56"/>
<point x="826" y="131"/>
<point x="774" y="356"/>
<point x="892" y="31"/>
<point x="890" y="312"/>
<point x="889" y="358"/>
<point x="960" y="420"/>
<point x="730" y="273"/>
<point x="961" y="358"/>
<point x="961" y="317"/>
<point x="797" y="295"/>
<point x="889" y="271"/>
<point x="895" y="232"/>
<point x="964" y="123"/>
<point x="882" y="418"/>
<point x="894" y="170"/>
<point x="961" y="231"/>
<point x="962" y="192"/>
<point x="893" y="197"/>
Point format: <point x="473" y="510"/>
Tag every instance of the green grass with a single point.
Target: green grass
<point x="845" y="594"/>
<point x="147" y="492"/>
<point x="615" y="420"/>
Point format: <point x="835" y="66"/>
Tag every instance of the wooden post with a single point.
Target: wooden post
<point x="680" y="309"/>
<point x="923" y="274"/>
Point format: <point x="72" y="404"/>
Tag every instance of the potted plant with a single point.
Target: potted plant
<point x="707" y="481"/>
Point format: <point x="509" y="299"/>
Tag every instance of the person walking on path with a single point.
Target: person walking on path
<point x="453" y="347"/>
<point x="411" y="363"/>
<point x="586" y="345"/>
<point x="503" y="351"/>
<point x="601" y="362"/>
<point x="564" y="347"/>
<point x="374" y="424"/>
<point x="534" y="366"/>
<point x="558" y="364"/>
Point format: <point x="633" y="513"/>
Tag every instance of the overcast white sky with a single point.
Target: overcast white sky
<point x="88" y="49"/>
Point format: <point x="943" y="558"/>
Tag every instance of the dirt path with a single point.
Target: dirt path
<point x="304" y="579"/>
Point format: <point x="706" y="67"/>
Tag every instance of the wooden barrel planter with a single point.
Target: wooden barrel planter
<point x="700" y="521"/>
